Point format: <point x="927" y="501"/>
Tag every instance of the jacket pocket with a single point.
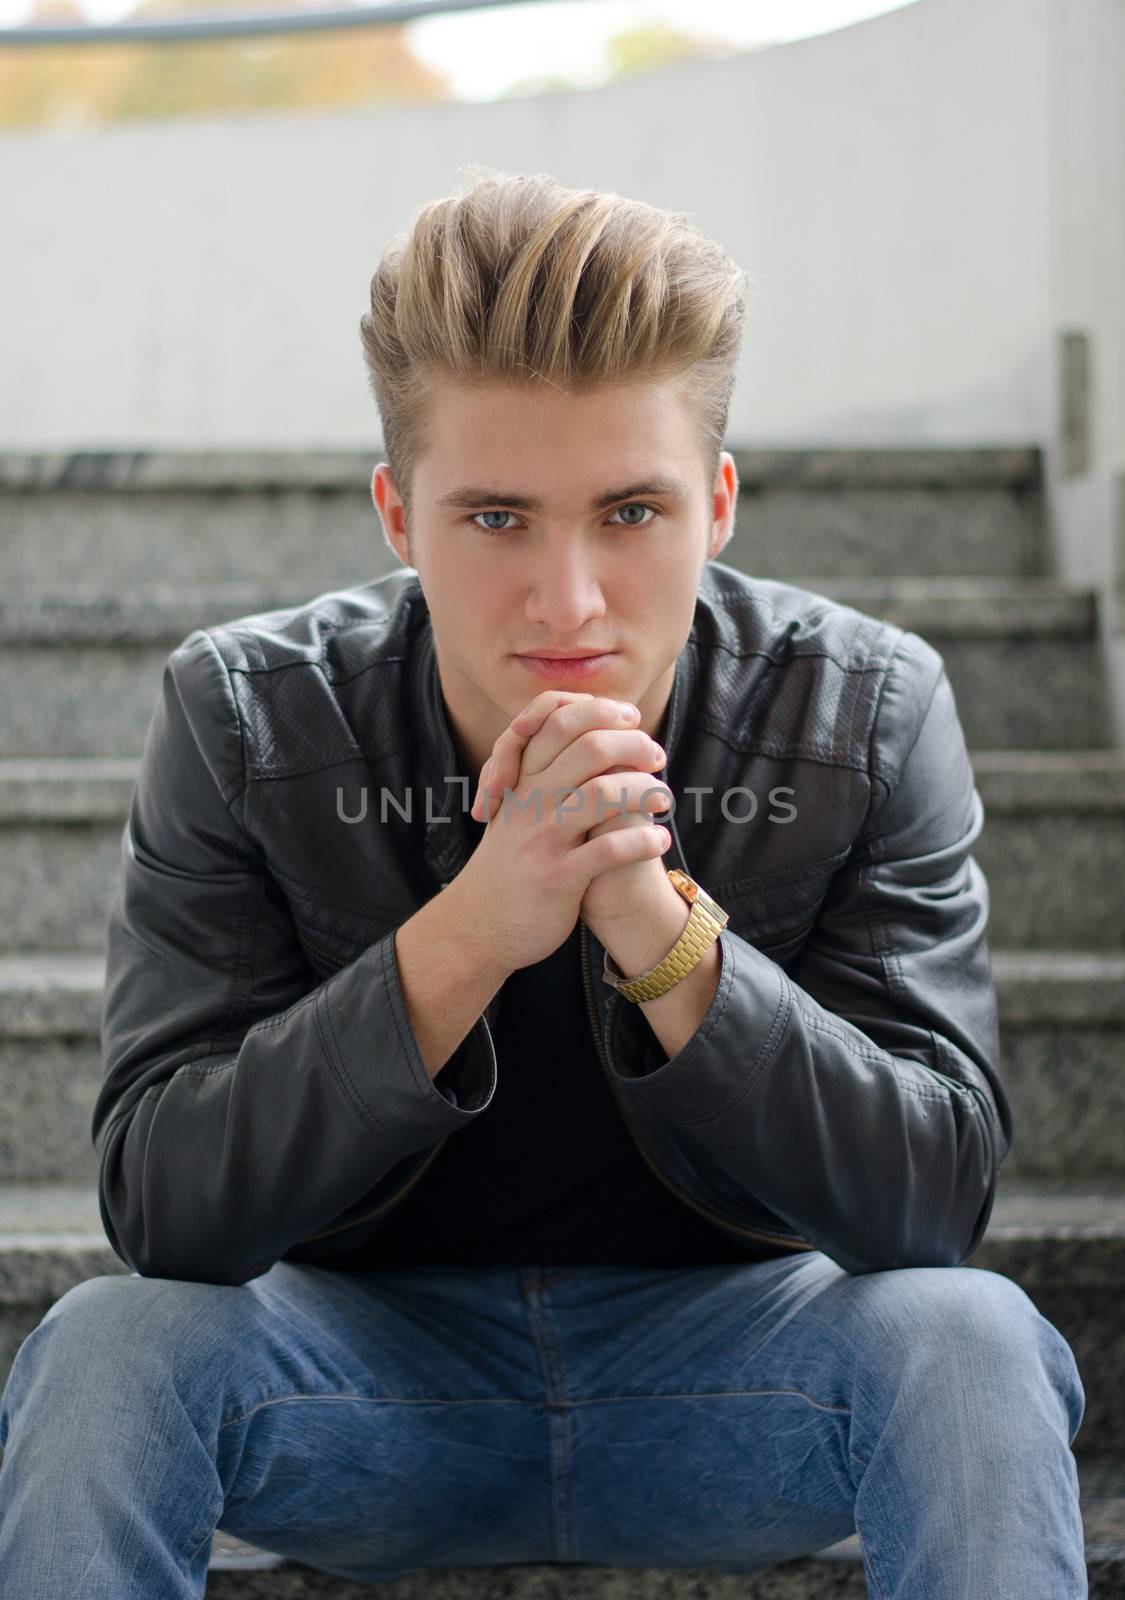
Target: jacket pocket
<point x="784" y="945"/>
<point x="776" y="911"/>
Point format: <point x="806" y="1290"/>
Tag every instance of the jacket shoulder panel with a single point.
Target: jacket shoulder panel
<point x="906" y="691"/>
<point x="197" y="684"/>
<point x="306" y="677"/>
<point x="335" y="630"/>
<point x="794" y="674"/>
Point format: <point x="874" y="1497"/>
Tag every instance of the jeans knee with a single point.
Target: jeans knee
<point x="105" y="1312"/>
<point x="115" y="1327"/>
<point x="992" y="1315"/>
<point x="113" y="1348"/>
<point x="986" y="1328"/>
<point x="104" y="1300"/>
<point x="63" y="1353"/>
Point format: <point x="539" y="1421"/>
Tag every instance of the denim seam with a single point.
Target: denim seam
<point x="714" y="1394"/>
<point x="377" y="1399"/>
<point x="508" y="1400"/>
<point x="210" y="1534"/>
<point x="554" y="1374"/>
<point x="870" y="1565"/>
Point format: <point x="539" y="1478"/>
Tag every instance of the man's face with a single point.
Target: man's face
<point x="504" y="578"/>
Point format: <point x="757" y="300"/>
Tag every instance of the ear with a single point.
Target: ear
<point x="388" y="503"/>
<point x="724" y="502"/>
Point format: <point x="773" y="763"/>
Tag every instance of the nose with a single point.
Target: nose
<point x="565" y="592"/>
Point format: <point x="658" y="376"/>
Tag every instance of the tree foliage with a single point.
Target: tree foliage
<point x="71" y="85"/>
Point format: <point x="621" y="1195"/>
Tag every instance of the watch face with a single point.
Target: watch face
<point x="708" y="904"/>
<point x="693" y="892"/>
<point x="717" y="911"/>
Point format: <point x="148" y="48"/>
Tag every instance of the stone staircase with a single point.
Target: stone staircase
<point x="107" y="561"/>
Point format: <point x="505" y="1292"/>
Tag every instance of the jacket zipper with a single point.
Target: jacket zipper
<point x="337" y="961"/>
<point x="737" y="1227"/>
<point x="391" y="1200"/>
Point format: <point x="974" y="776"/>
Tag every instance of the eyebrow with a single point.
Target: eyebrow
<point x="470" y="497"/>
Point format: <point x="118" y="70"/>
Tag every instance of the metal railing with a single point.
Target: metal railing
<point x="225" y="25"/>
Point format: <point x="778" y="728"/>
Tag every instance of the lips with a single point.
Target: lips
<point x="567" y="668"/>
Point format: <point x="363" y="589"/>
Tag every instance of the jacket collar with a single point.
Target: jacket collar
<point x="445" y="799"/>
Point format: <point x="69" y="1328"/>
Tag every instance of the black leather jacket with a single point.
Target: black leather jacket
<point x="263" y="1094"/>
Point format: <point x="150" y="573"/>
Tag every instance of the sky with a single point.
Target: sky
<point x="485" y="50"/>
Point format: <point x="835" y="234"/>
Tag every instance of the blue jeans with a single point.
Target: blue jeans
<point x="374" y="1423"/>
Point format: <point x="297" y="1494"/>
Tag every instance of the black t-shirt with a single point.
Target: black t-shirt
<point x="549" y="1173"/>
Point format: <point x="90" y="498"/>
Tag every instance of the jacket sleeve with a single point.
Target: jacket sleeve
<point x="860" y="1098"/>
<point x="243" y="1105"/>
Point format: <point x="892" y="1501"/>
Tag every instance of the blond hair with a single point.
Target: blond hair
<point x="522" y="280"/>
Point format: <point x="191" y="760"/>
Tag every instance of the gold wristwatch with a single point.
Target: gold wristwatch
<point x="704" y="924"/>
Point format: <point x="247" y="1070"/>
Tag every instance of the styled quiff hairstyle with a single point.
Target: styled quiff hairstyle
<point x="522" y="280"/>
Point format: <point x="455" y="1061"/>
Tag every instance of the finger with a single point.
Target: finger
<point x="642" y="806"/>
<point x="607" y="804"/>
<point x="617" y="849"/>
<point x="559" y="749"/>
<point x="536" y="713"/>
<point x="630" y="802"/>
<point x="501" y="770"/>
<point x="538" y="727"/>
<point x="533" y="715"/>
<point x="567" y="723"/>
<point x="598" y="755"/>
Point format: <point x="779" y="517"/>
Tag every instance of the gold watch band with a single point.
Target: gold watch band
<point x="705" y="922"/>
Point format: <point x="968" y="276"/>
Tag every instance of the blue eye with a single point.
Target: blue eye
<point x="632" y="505"/>
<point x="635" y="505"/>
<point x="477" y="514"/>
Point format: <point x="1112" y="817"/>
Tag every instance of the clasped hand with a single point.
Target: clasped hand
<point x="594" y="746"/>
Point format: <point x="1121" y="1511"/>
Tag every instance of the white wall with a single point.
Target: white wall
<point x="1086" y="121"/>
<point x="200" y="281"/>
<point x="924" y="201"/>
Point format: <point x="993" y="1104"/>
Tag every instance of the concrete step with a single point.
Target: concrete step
<point x="1062" y="1025"/>
<point x="1063" y="1243"/>
<point x="836" y="1570"/>
<point x="1052" y="847"/>
<point x="80" y="676"/>
<point x="924" y="513"/>
<point x="980" y="607"/>
<point x="199" y="517"/>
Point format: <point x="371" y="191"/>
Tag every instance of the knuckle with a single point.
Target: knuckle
<point x="543" y="703"/>
<point x="609" y="787"/>
<point x="601" y="744"/>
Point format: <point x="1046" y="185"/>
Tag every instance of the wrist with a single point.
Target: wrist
<point x="638" y="940"/>
<point x="692" y="946"/>
<point x="468" y="926"/>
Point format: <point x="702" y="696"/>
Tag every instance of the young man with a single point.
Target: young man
<point x="498" y="1184"/>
